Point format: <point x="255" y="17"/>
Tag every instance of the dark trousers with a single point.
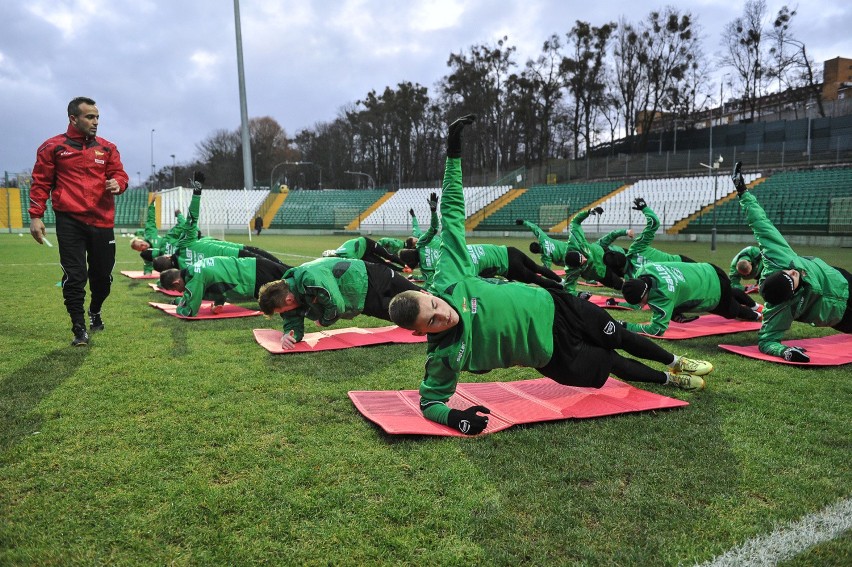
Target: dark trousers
<point x="523" y="269"/>
<point x="845" y="325"/>
<point x="260" y="253"/>
<point x="383" y="284"/>
<point x="266" y="272"/>
<point x="85" y="253"/>
<point x="585" y="337"/>
<point x="734" y="303"/>
<point x="377" y="254"/>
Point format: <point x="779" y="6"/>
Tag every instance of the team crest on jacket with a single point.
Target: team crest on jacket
<point x="473" y="306"/>
<point x="609" y="328"/>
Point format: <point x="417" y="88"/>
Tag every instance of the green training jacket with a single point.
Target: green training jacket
<point x="552" y="250"/>
<point x="641" y="252"/>
<point x="217" y="279"/>
<point x="594" y="268"/>
<point x="823" y="292"/>
<point x="752" y="254"/>
<point x="328" y="289"/>
<point x="501" y="324"/>
<point x="692" y="287"/>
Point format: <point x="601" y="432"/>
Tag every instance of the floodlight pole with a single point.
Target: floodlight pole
<point x="712" y="170"/>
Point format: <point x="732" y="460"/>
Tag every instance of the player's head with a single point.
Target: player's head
<point x="422" y="312"/>
<point x="574" y="259"/>
<point x="163" y="263"/>
<point x="171" y="279"/>
<point x="410" y="258"/>
<point x="635" y="291"/>
<point x="83" y="115"/>
<point x="616" y="261"/>
<point x="744" y="268"/>
<point x="139" y="244"/>
<point x="780" y="286"/>
<point x="535" y="247"/>
<point x="411" y="243"/>
<point x="276" y="297"/>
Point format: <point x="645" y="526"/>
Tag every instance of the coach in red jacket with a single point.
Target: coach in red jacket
<point x="81" y="174"/>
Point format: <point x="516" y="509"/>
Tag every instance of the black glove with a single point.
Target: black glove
<point x="639" y="204"/>
<point x="454" y="137"/>
<point x="196" y="182"/>
<point x="737" y="178"/>
<point x="584" y="295"/>
<point x="611" y="302"/>
<point x="467" y="421"/>
<point x="411" y="212"/>
<point x="596" y="211"/>
<point x="681" y="318"/>
<point x="519" y="222"/>
<point x="433" y="202"/>
<point x="795" y="354"/>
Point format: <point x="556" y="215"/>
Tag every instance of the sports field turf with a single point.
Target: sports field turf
<point x="167" y="442"/>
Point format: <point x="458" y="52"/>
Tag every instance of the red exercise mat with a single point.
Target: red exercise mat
<point x="336" y="339"/>
<point x="511" y="403"/>
<point x="833" y="350"/>
<point x="589" y="284"/>
<point x="705" y="326"/>
<point x="140" y="275"/>
<point x="228" y="311"/>
<point x="169" y="292"/>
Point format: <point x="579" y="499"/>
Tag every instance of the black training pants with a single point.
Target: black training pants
<point x="266" y="272"/>
<point x="523" y="269"/>
<point x="383" y="284"/>
<point x="81" y="244"/>
<point x="585" y="337"/>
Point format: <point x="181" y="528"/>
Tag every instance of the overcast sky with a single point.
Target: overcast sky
<point x="171" y="66"/>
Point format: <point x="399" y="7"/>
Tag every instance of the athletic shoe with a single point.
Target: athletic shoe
<point x="81" y="337"/>
<point x="686" y="381"/>
<point x="689" y="366"/>
<point x="758" y="307"/>
<point x="95" y="322"/>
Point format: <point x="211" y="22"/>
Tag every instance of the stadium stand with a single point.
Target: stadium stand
<point x="393" y="214"/>
<point x="328" y="208"/>
<point x="548" y="205"/>
<point x="796" y="201"/>
<point x="220" y="208"/>
<point x="129" y="208"/>
<point x="672" y="199"/>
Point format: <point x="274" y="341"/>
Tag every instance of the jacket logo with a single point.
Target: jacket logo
<point x="97" y="153"/>
<point x="464" y="304"/>
<point x="100" y="161"/>
<point x="65" y="153"/>
<point x="473" y="305"/>
<point x="609" y="328"/>
<point x="461" y="352"/>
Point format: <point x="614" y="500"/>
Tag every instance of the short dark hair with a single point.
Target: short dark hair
<point x="404" y="308"/>
<point x="411" y="258"/>
<point x="572" y="259"/>
<point x="271" y="296"/>
<point x="163" y="263"/>
<point x="169" y="277"/>
<point x="411" y="242"/>
<point x="74" y="105"/>
<point x="535" y="247"/>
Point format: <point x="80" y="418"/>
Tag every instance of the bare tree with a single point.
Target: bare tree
<point x="745" y="52"/>
<point x="791" y="64"/>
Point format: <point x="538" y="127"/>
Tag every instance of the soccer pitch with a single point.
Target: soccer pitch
<point x="183" y="442"/>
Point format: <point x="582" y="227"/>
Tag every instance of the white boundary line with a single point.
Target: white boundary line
<point x="789" y="540"/>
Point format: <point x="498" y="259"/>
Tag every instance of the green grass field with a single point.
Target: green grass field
<point x="168" y="442"/>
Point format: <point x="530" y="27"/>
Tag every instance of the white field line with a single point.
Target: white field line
<point x="789" y="540"/>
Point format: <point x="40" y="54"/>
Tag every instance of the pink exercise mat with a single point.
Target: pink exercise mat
<point x="228" y="311"/>
<point x="168" y="292"/>
<point x="705" y="326"/>
<point x="336" y="339"/>
<point x="511" y="403"/>
<point x="833" y="350"/>
<point x="140" y="275"/>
